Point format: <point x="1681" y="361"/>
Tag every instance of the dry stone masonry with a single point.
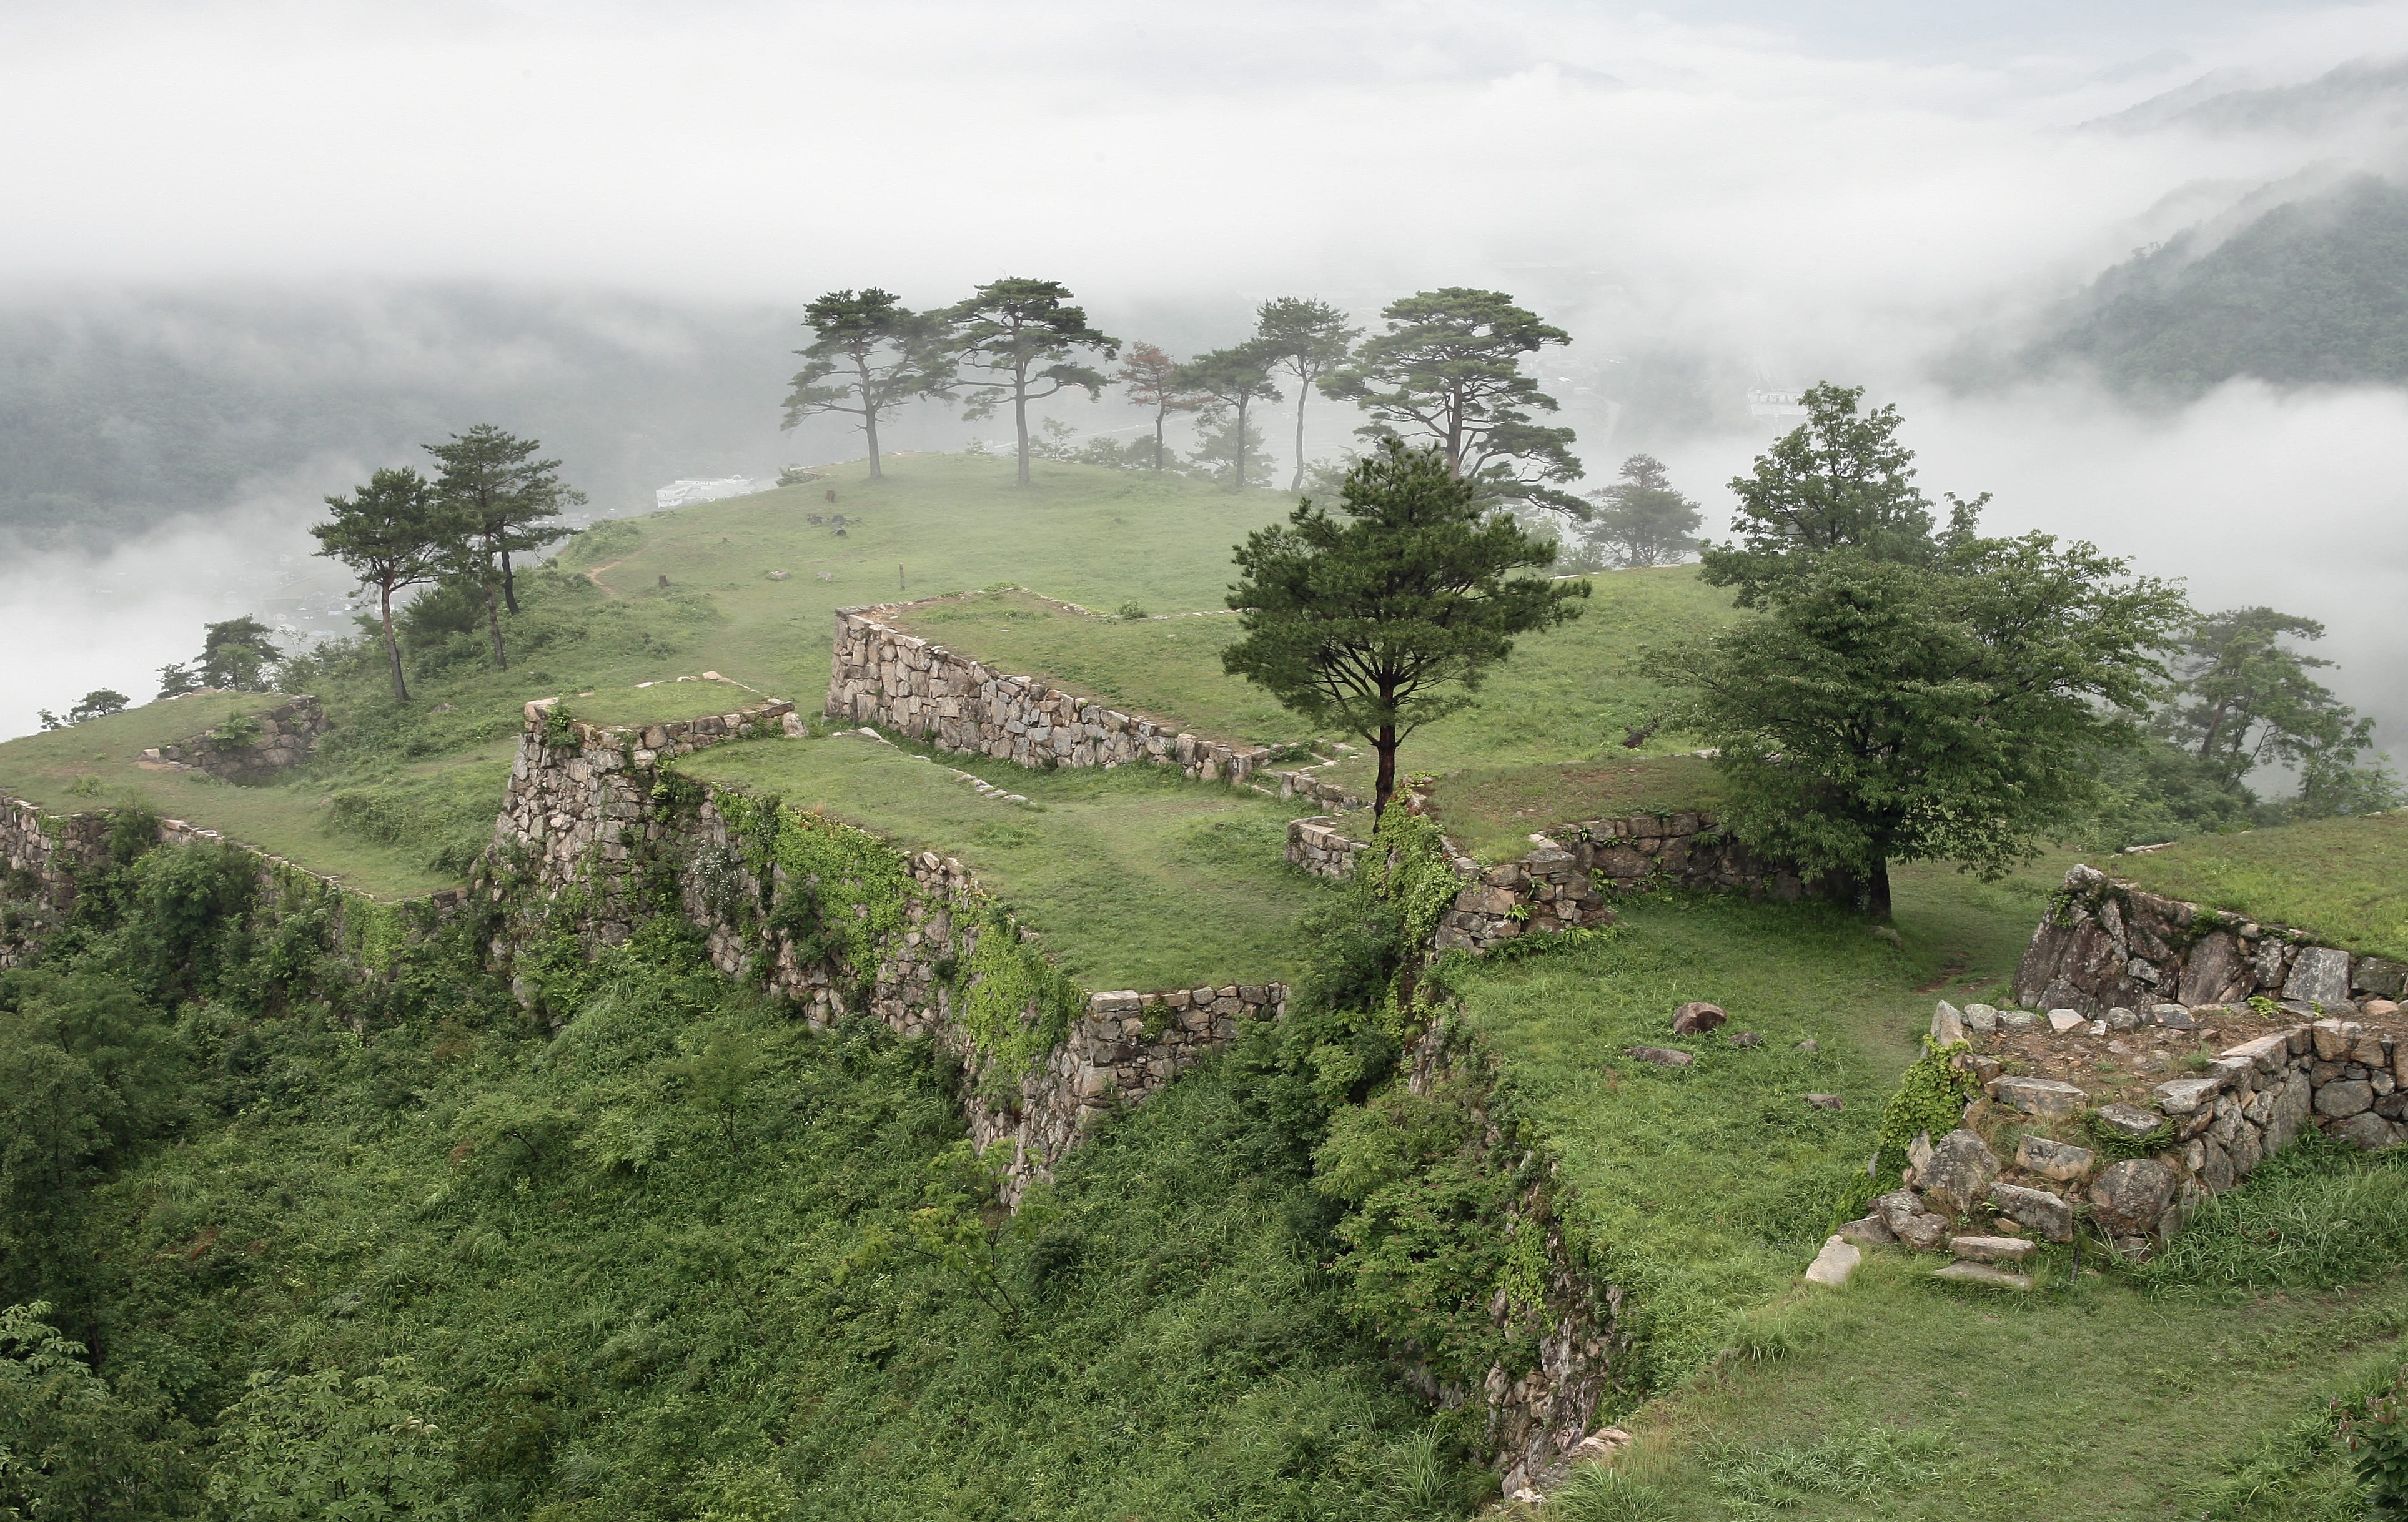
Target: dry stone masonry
<point x="2106" y="943"/>
<point x="1564" y="884"/>
<point x="583" y="822"/>
<point x="2061" y="1094"/>
<point x="879" y="675"/>
<point x="252" y="749"/>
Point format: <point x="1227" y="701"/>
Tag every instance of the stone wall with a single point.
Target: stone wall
<point x="899" y="682"/>
<point x="2059" y="1094"/>
<point x="236" y="753"/>
<point x="1562" y="884"/>
<point x="2106" y="943"/>
<point x="1537" y="1420"/>
<point x="581" y="814"/>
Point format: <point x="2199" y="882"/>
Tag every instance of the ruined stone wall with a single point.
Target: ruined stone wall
<point x="252" y="750"/>
<point x="2106" y="943"/>
<point x="582" y="821"/>
<point x="878" y="675"/>
<point x="1565" y="882"/>
<point x="1537" y="1420"/>
<point x="2033" y="1155"/>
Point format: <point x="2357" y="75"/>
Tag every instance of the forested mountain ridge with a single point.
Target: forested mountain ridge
<point x="2309" y="292"/>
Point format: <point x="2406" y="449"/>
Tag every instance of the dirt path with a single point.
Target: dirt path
<point x="595" y="576"/>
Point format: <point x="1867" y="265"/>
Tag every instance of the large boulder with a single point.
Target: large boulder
<point x="2130" y="1196"/>
<point x="1959" y="1173"/>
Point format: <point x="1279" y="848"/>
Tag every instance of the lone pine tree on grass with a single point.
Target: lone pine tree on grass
<point x="392" y="534"/>
<point x="500" y="500"/>
<point x="1308" y="340"/>
<point x="1234" y="379"/>
<point x="879" y="354"/>
<point x="1024" y="336"/>
<point x="1448" y="369"/>
<point x="1387" y="614"/>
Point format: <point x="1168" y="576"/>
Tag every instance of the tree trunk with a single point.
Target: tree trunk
<point x="1020" y="423"/>
<point x="392" y="647"/>
<point x="1875" y="890"/>
<point x="493" y="622"/>
<point x="1385" y="783"/>
<point x="1455" y="435"/>
<point x="1302" y="387"/>
<point x="1237" y="480"/>
<point x="1158" y="417"/>
<point x="869" y="418"/>
<point x="509" y="584"/>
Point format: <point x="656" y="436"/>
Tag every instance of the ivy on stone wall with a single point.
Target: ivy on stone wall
<point x="857" y="884"/>
<point x="1015" y="1006"/>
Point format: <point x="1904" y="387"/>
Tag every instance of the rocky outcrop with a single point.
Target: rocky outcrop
<point x="251" y="749"/>
<point x="2107" y="943"/>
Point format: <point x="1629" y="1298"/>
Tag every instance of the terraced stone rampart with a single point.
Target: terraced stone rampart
<point x="596" y="827"/>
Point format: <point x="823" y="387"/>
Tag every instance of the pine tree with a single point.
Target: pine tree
<point x="881" y="354"/>
<point x="391" y="533"/>
<point x="1022" y="336"/>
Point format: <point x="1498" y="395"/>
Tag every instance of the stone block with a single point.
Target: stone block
<point x="2344" y="1098"/>
<point x="2047" y="1097"/>
<point x="1992" y="1249"/>
<point x="2129" y="1121"/>
<point x="2037" y="1209"/>
<point x="2319" y="975"/>
<point x="2058" y="1160"/>
<point x="1960" y="1172"/>
<point x="2130" y="1196"/>
<point x="1834" y="1263"/>
<point x="2187" y="1096"/>
<point x="1964" y="1272"/>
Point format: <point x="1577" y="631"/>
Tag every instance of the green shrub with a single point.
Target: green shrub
<point x="1598" y="1494"/>
<point x="2375" y="1432"/>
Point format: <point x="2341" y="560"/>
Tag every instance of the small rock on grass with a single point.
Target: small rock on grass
<point x="1965" y="1273"/>
<point x="1834" y="1263"/>
<point x="2065" y="1020"/>
<point x="1747" y="1038"/>
<point x="1663" y="1056"/>
<point x="1824" y="1102"/>
<point x="1809" y="1044"/>
<point x="1697" y="1018"/>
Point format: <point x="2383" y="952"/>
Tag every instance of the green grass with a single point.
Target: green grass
<point x="1711" y="1187"/>
<point x="2111" y="1403"/>
<point x="2345" y="880"/>
<point x="1566" y="694"/>
<point x="1133" y="878"/>
<point x="98" y="764"/>
<point x="665" y="701"/>
<point x="1491" y="811"/>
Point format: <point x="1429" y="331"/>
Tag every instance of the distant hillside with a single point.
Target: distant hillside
<point x="2359" y="90"/>
<point x="119" y="411"/>
<point x="2309" y="292"/>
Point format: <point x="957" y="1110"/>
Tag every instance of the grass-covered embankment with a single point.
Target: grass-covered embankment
<point x="2343" y="880"/>
<point x="1132" y="878"/>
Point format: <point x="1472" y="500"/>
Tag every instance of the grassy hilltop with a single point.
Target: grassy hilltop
<point x="634" y="1263"/>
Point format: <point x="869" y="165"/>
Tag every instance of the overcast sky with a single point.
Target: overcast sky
<point x="1844" y="190"/>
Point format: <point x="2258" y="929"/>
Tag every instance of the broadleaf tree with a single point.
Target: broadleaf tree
<point x="1840" y="479"/>
<point x="1448" y="369"/>
<point x="1155" y="380"/>
<point x="1307" y="339"/>
<point x="1910" y="695"/>
<point x="878" y="353"/>
<point x="392" y="534"/>
<point x="1387" y="613"/>
<point x="1232" y="380"/>
<point x="1019" y="340"/>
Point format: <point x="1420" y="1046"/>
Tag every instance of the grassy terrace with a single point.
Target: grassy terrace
<point x="98" y="765"/>
<point x="2346" y="879"/>
<point x="1134" y="878"/>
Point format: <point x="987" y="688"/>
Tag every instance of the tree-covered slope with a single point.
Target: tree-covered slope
<point x="2310" y="293"/>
